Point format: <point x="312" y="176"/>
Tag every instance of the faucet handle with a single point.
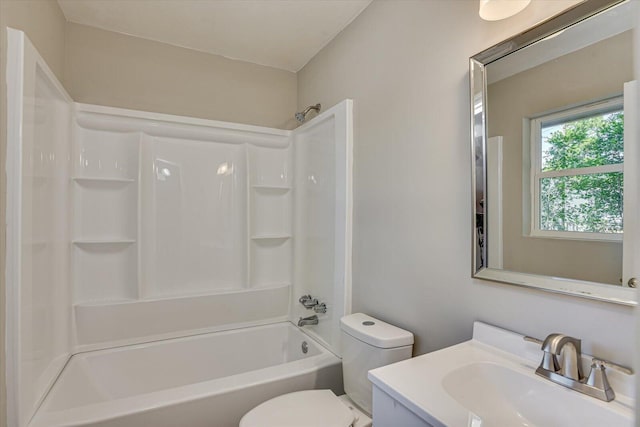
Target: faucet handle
<point x="598" y="376"/>
<point x="320" y="308"/>
<point x="600" y="363"/>
<point x="308" y="301"/>
<point x="309" y="304"/>
<point x="532" y="339"/>
<point x="304" y="298"/>
<point x="598" y="379"/>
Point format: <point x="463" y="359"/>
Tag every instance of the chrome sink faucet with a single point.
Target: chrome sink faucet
<point x="570" y="350"/>
<point x="568" y="372"/>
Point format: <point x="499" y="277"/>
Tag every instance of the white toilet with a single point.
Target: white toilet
<point x="367" y="343"/>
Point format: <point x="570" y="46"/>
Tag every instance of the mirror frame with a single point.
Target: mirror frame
<point x="478" y="101"/>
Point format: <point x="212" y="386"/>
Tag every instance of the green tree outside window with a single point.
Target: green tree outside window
<point x="590" y="202"/>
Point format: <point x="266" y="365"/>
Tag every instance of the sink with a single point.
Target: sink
<point x="500" y="396"/>
<point x="490" y="381"/>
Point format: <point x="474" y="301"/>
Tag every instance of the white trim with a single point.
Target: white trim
<point x="561" y="285"/>
<point x="170" y="118"/>
<point x="527" y="180"/>
<point x="22" y="62"/>
<point x="342" y="115"/>
<point x="163" y="125"/>
<point x="617" y="167"/>
<point x="15" y="85"/>
<point x="631" y="242"/>
<point x="580" y="110"/>
<point x="576" y="235"/>
<point x="532" y="157"/>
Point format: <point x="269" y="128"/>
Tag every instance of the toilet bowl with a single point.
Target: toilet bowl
<point x="367" y="343"/>
<point x="308" y="408"/>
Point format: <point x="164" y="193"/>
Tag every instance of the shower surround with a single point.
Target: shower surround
<point x="180" y="216"/>
<point x="128" y="227"/>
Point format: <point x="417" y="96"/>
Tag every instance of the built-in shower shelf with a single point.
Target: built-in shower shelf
<point x="101" y="179"/>
<point x="271" y="285"/>
<point x="279" y="188"/>
<point x="271" y="237"/>
<point x="103" y="241"/>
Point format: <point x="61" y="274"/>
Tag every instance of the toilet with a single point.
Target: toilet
<point x="367" y="343"/>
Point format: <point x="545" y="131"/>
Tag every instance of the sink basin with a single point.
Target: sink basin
<point x="490" y="381"/>
<point x="499" y="396"/>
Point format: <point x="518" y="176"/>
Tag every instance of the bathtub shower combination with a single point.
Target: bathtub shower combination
<point x="198" y="381"/>
<point x="155" y="262"/>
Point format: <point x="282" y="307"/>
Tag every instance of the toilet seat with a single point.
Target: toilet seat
<point x="309" y="408"/>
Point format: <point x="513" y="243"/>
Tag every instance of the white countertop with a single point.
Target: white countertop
<point x="417" y="383"/>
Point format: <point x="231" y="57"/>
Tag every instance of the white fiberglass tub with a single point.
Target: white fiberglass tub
<point x="205" y="380"/>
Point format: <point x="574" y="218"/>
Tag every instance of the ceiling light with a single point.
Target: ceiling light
<point x="494" y="10"/>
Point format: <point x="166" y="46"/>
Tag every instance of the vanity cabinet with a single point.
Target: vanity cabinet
<point x="388" y="412"/>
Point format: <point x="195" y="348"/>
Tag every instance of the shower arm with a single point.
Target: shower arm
<point x="302" y="115"/>
<point x="311" y="107"/>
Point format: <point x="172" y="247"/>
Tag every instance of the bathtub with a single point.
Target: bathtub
<point x="204" y="380"/>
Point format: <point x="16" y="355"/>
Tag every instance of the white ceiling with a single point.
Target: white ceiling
<point x="283" y="34"/>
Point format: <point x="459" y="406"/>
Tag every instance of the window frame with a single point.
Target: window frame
<point x="533" y="157"/>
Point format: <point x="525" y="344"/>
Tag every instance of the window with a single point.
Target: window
<point x="576" y="178"/>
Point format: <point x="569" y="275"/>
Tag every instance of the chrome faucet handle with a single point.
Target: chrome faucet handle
<point x="598" y="379"/>
<point x="309" y="304"/>
<point x="304" y="298"/>
<point x="598" y="362"/>
<point x="532" y="339"/>
<point x="308" y="301"/>
<point x="320" y="308"/>
<point x="598" y="376"/>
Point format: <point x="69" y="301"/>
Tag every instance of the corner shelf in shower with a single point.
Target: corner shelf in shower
<point x="103" y="241"/>
<point x="105" y="211"/>
<point x="270" y="285"/>
<point x="101" y="179"/>
<point x="275" y="236"/>
<point x="280" y="188"/>
<point x="104" y="270"/>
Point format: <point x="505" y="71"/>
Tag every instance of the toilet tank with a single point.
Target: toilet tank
<point x="369" y="343"/>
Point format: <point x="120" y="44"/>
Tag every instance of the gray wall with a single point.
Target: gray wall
<point x="405" y="64"/>
<point x="107" y="68"/>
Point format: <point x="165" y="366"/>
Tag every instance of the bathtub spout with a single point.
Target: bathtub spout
<point x="311" y="320"/>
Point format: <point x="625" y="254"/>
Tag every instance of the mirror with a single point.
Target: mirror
<point x="550" y="137"/>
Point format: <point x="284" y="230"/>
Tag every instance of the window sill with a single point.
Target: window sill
<point x="572" y="235"/>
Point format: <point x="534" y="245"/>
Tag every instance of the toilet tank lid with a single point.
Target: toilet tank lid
<point x="375" y="332"/>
